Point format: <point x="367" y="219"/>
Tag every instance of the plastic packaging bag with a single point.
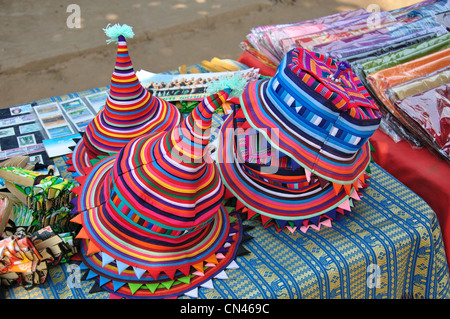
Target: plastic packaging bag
<point x="382" y="35"/>
<point x="360" y="52"/>
<point x="381" y="81"/>
<point x="419" y="85"/>
<point x="407" y="54"/>
<point x="265" y="39"/>
<point x="353" y="27"/>
<point x="430" y="114"/>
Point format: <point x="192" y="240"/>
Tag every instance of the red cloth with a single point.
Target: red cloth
<point x="420" y="170"/>
<point x="250" y="61"/>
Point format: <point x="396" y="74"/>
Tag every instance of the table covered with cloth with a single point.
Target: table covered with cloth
<point x="391" y="232"/>
<point x="390" y="246"/>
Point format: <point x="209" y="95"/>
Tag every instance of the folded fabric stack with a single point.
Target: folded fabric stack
<point x="401" y="56"/>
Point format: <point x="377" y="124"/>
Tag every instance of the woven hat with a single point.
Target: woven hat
<point x="317" y="112"/>
<point x="153" y="223"/>
<point x="130" y="110"/>
<point x="284" y="195"/>
<point x="315" y="124"/>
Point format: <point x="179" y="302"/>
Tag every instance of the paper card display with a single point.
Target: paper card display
<point x="52" y="120"/>
<point x="60" y="146"/>
<point x="185" y="87"/>
<point x="97" y="100"/>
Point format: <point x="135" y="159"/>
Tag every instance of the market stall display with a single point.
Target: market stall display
<point x="170" y="198"/>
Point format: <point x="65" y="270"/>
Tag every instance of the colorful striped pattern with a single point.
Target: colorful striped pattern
<point x="166" y="279"/>
<point x="130" y="111"/>
<point x="349" y="95"/>
<point x="308" y="126"/>
<point x="265" y="194"/>
<point x="156" y="208"/>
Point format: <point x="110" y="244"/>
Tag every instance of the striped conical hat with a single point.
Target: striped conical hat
<point x="153" y="223"/>
<point x="130" y="111"/>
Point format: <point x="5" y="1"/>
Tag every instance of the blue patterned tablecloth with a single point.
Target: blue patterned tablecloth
<point x="391" y="232"/>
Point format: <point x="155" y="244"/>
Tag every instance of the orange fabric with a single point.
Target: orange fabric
<point x="384" y="79"/>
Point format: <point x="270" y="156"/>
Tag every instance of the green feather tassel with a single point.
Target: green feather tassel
<point x="235" y="83"/>
<point x="114" y="31"/>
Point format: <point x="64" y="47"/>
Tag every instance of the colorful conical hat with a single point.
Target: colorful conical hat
<point x="153" y="223"/>
<point x="130" y="111"/>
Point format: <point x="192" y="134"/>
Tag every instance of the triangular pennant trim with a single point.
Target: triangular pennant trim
<point x="82" y="234"/>
<point x="345" y="205"/>
<point x="208" y="284"/>
<point x="167" y="284"/>
<point x="121" y="266"/>
<point x="134" y="287"/>
<point x="77" y="219"/>
<point x="198" y="266"/>
<point x="103" y="280"/>
<point x="92" y="248"/>
<point x="106" y="259"/>
<point x="117" y="284"/>
<point x="192" y="293"/>
<point x="233" y="265"/>
<point x="221" y="275"/>
<point x="152" y="287"/>
<point x="185" y="280"/>
<point x="337" y="188"/>
<point x="212" y="259"/>
<point x="139" y="272"/>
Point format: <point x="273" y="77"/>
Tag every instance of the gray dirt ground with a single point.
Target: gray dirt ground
<point x="40" y="56"/>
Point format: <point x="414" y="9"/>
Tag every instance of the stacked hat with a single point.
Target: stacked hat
<point x="130" y="111"/>
<point x="297" y="151"/>
<point x="153" y="222"/>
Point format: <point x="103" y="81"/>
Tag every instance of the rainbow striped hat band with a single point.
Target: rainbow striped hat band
<point x="130" y="111"/>
<point x="153" y="222"/>
<point x="279" y="155"/>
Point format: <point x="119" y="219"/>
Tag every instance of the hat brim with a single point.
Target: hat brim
<point x="120" y="281"/>
<point x="289" y="132"/>
<point x="80" y="158"/>
<point x="279" y="205"/>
